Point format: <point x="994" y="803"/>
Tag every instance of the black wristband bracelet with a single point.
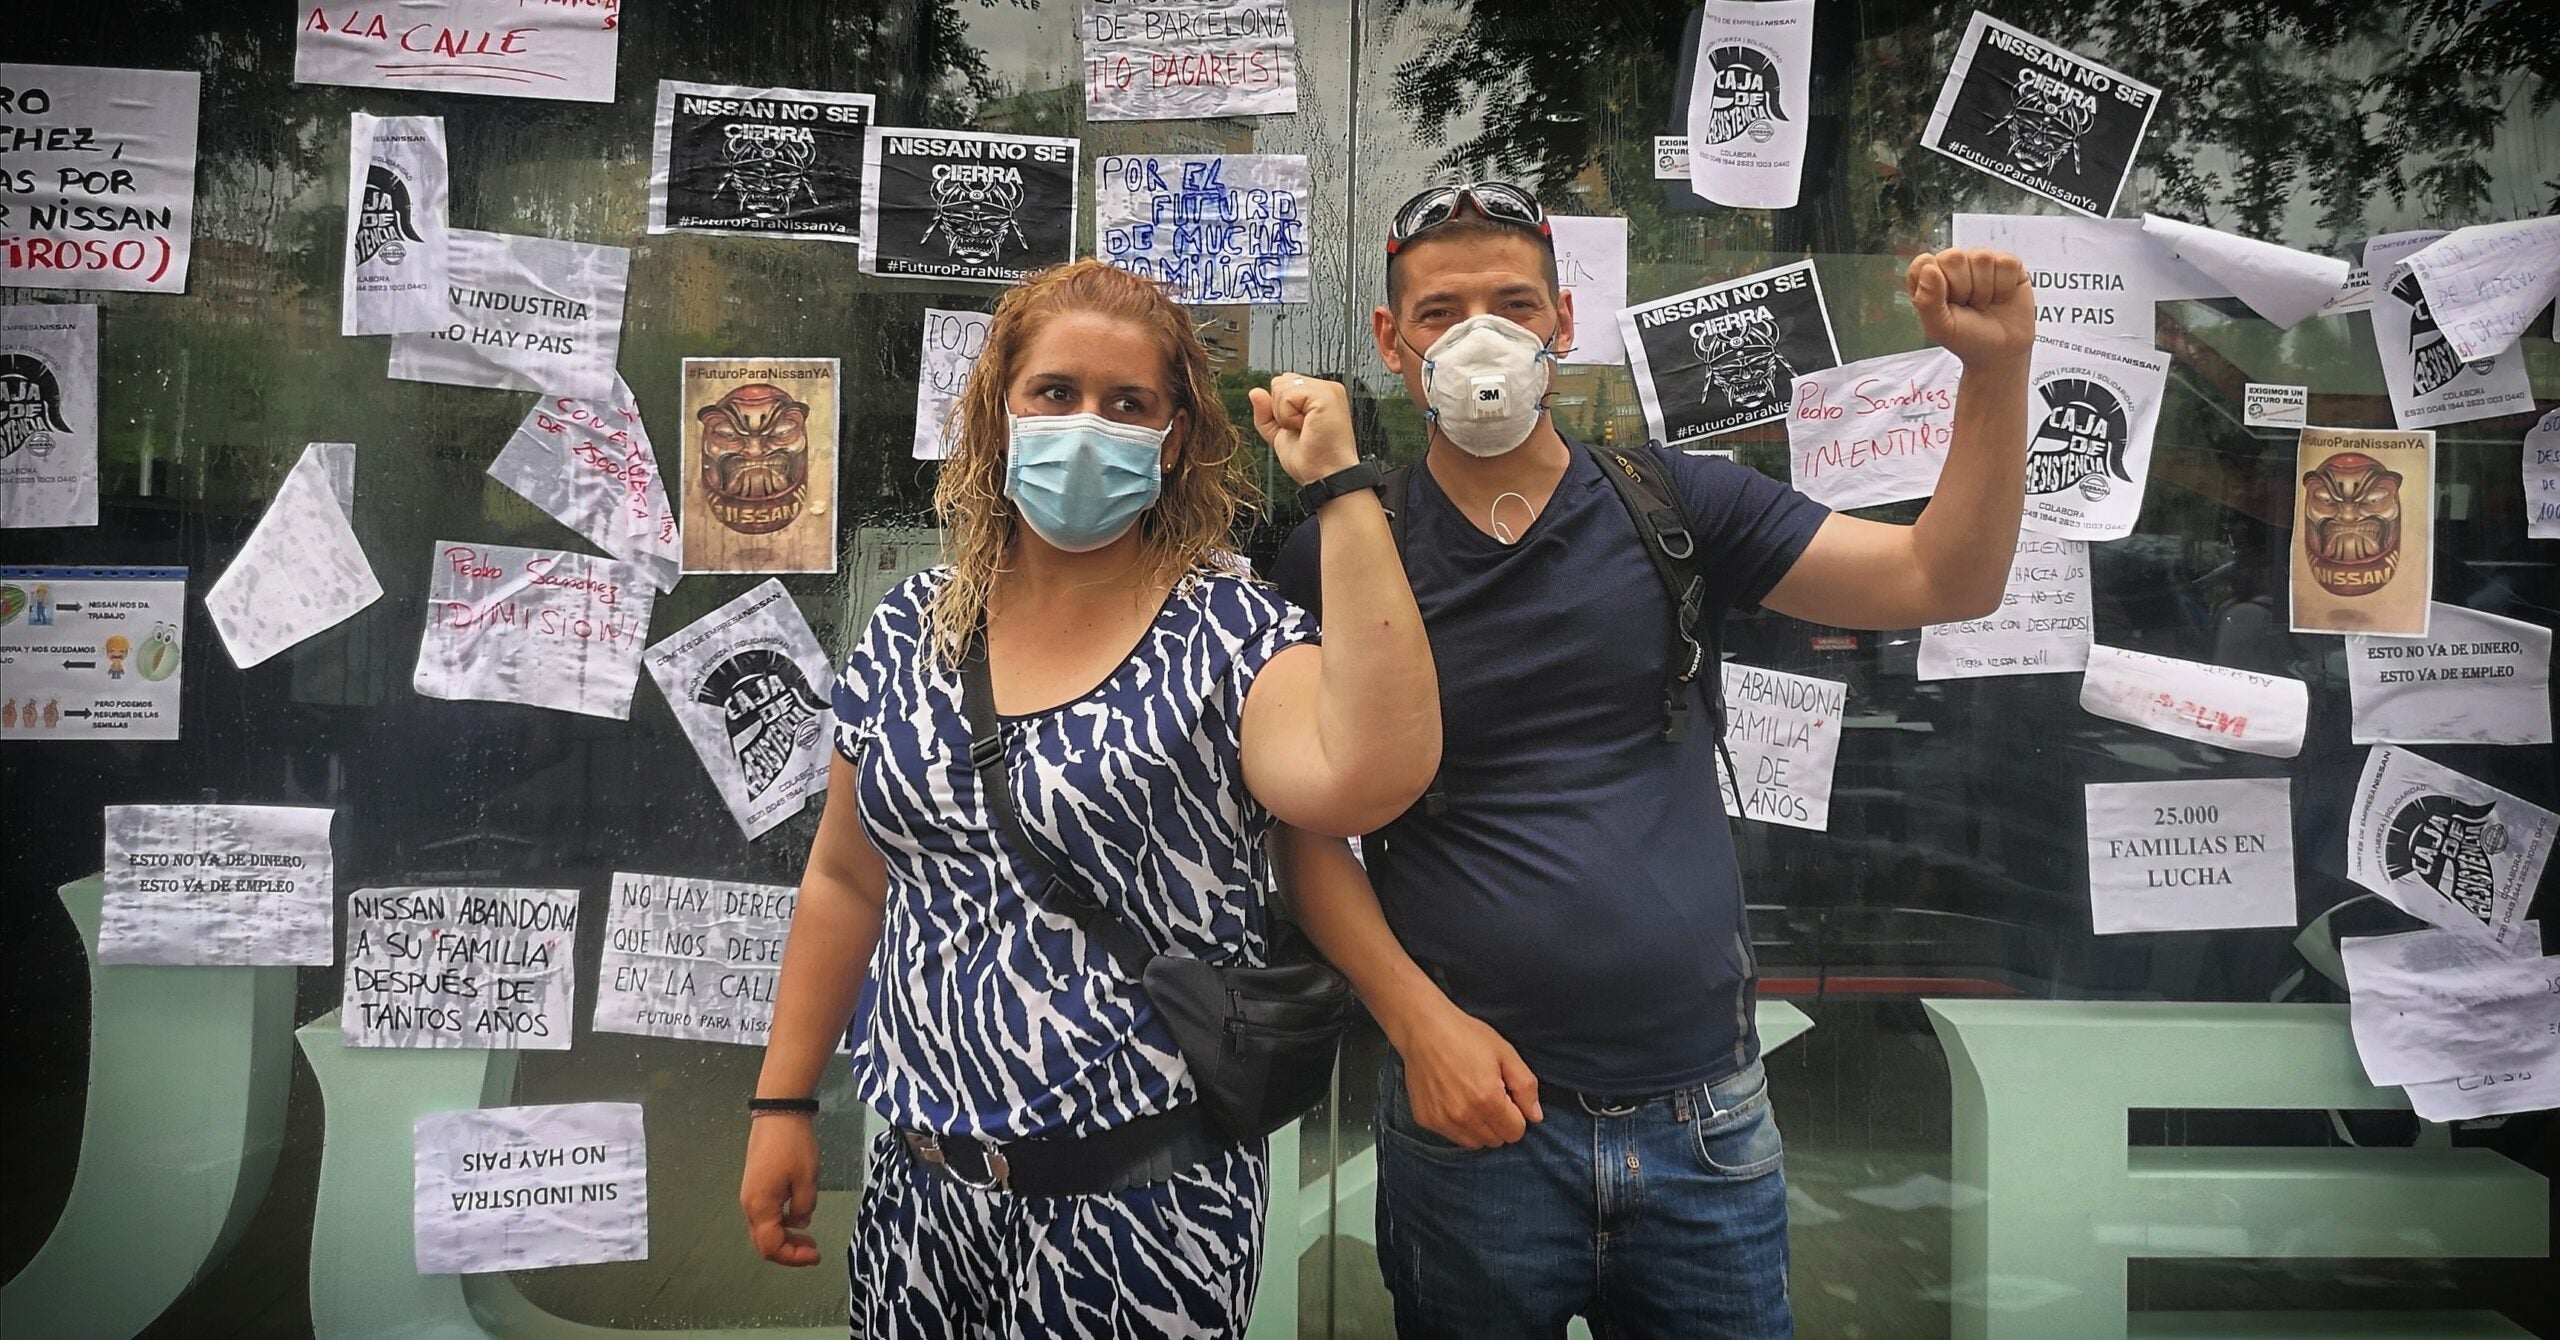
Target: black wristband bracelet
<point x="1349" y="479"/>
<point x="805" y="1106"/>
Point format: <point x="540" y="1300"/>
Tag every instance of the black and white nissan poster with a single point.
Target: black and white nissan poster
<point x="758" y="162"/>
<point x="393" y="279"/>
<point x="2027" y="111"/>
<point x="1726" y="356"/>
<point x="1749" y="102"/>
<point x="48" y="415"/>
<point x="961" y="204"/>
<point x="2090" y="419"/>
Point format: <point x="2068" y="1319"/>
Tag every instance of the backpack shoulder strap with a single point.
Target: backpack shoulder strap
<point x="1653" y="503"/>
<point x="1392" y="488"/>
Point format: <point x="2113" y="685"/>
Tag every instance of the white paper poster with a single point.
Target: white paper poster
<point x="692" y="958"/>
<point x="100" y="191"/>
<point x="1750" y="102"/>
<point x="446" y="967"/>
<point x="2211" y="704"/>
<point x="2096" y="403"/>
<point x="2486" y="283"/>
<point x="501" y="48"/>
<point x="2445" y="849"/>
<point x="952" y="343"/>
<point x="300" y="574"/>
<point x="758" y="162"/>
<point x="519" y="1188"/>
<point x="91" y="652"/>
<point x="1591" y="268"/>
<point x="2279" y="283"/>
<point x="1874" y="431"/>
<point x="590" y="465"/>
<point x="217" y="884"/>
<point x="1784" y="733"/>
<point x="523" y="314"/>
<point x="2355" y="295"/>
<point x="2091" y="276"/>
<point x="2431" y="384"/>
<point x="2190" y="856"/>
<point x="1211" y="228"/>
<point x="1671" y="158"/>
<point x="393" y="279"/>
<point x="2272" y="405"/>
<point x="1727" y="356"/>
<point x="48" y="414"/>
<point x="537" y="626"/>
<point x="2542" y="479"/>
<point x="747" y="682"/>
<point x="2475" y="678"/>
<point x="2043" y="625"/>
<point x="1172" y="60"/>
<point x="2428" y="1006"/>
<point x="2517" y="1087"/>
<point x="2031" y="112"/>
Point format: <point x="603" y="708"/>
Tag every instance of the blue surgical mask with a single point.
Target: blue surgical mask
<point x="1081" y="480"/>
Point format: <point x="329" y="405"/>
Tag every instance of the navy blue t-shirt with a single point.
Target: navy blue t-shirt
<point x="1580" y="893"/>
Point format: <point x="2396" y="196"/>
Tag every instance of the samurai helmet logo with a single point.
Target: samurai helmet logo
<point x="30" y="405"/>
<point x="2046" y="119"/>
<point x="2351" y="524"/>
<point x="2446" y="845"/>
<point x="767" y="168"/>
<point x="755" y="458"/>
<point x="385" y="220"/>
<point x="1742" y="93"/>
<point x="2080" y="440"/>
<point x="767" y="709"/>
<point x="1744" y="364"/>
<point x="973" y="208"/>
<point x="2432" y="360"/>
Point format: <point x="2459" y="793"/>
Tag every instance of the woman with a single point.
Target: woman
<point x="1158" y="714"/>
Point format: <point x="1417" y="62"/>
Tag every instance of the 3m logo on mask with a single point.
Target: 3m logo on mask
<point x="2432" y="362"/>
<point x="30" y="406"/>
<point x="2351" y="524"/>
<point x="1742" y="94"/>
<point x="768" y="710"/>
<point x="973" y="207"/>
<point x="2446" y="844"/>
<point x="2046" y="119"/>
<point x="767" y="168"/>
<point x="384" y="222"/>
<point x="2081" y="439"/>
<point x="1744" y="365"/>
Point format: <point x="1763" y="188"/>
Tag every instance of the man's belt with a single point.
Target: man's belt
<point x="1149" y="1149"/>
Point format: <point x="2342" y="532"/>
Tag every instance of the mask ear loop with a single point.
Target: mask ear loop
<point x="1493" y="518"/>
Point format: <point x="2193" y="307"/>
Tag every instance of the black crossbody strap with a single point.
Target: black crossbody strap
<point x="1048" y="888"/>
<point x="1697" y="650"/>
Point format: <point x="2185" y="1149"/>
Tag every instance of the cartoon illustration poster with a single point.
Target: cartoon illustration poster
<point x="747" y="682"/>
<point x="48" y="415"/>
<point x="1726" y="356"/>
<point x="961" y="204"/>
<point x="759" y="464"/>
<point x="2363" y="531"/>
<point x="2090" y="420"/>
<point x="2027" y="111"/>
<point x="2429" y="382"/>
<point x="91" y="653"/>
<point x="759" y="162"/>
<point x="1750" y="102"/>
<point x="393" y="279"/>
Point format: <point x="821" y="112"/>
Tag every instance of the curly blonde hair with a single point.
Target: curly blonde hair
<point x="1192" y="522"/>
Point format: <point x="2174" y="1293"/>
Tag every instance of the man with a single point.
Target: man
<point x="1574" y="1117"/>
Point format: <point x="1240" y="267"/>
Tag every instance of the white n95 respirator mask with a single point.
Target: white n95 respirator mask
<point x="1484" y="384"/>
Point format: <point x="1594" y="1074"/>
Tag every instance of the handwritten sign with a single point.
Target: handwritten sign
<point x="448" y="967"/>
<point x="2090" y="420"/>
<point x="2210" y="704"/>
<point x="952" y="343"/>
<point x="2486" y="283"/>
<point x="745" y="682"/>
<point x="100" y="191"/>
<point x="517" y="1188"/>
<point x="523" y="314"/>
<point x="392" y="277"/>
<point x="48" y="414"/>
<point x="501" y="48"/>
<point x="1212" y="228"/>
<point x="1591" y="268"/>
<point x="536" y="626"/>
<point x="2448" y="850"/>
<point x="301" y="572"/>
<point x="2190" y="856"/>
<point x="2032" y="112"/>
<point x="2431" y="383"/>
<point x="2542" y="478"/>
<point x="590" y="465"/>
<point x="1784" y="732"/>
<point x="1170" y="60"/>
<point x="2475" y="678"/>
<point x="692" y="958"/>
<point x="217" y="884"/>
<point x="2363" y="531"/>
<point x="91" y="653"/>
<point x="1874" y="431"/>
<point x="1727" y="356"/>
<point x="2043" y="625"/>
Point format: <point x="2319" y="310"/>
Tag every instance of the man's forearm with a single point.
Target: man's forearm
<point x="1339" y="909"/>
<point x="1965" y="536"/>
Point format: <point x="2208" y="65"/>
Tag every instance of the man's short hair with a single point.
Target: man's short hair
<point x="1468" y="227"/>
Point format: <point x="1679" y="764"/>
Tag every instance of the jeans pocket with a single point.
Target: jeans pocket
<point x="1741" y="1142"/>
<point x="1398" y="1126"/>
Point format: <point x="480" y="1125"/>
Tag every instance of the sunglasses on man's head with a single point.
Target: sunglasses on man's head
<point x="1492" y="199"/>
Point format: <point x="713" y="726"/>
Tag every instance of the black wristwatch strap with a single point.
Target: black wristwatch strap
<point x="808" y="1106"/>
<point x="1317" y="493"/>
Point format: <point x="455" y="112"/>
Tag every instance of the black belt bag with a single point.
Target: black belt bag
<point x="1260" y="1042"/>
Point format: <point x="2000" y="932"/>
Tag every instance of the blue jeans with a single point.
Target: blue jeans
<point x="1667" y="1219"/>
